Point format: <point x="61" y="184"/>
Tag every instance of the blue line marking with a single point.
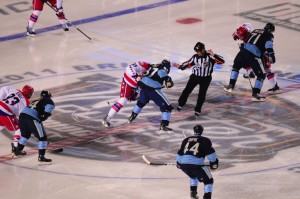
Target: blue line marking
<point x="96" y="18"/>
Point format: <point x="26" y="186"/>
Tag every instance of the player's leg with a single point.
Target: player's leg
<point x="204" y="175"/>
<point x="161" y="100"/>
<point x="40" y="133"/>
<point x="191" y="84"/>
<point x="237" y="65"/>
<point x="26" y="125"/>
<point x="273" y="82"/>
<point x="193" y="180"/>
<point x="142" y="101"/>
<point x="204" y="84"/>
<point x="258" y="69"/>
<point x="125" y="94"/>
<point x="60" y="14"/>
<point x="11" y="123"/>
<point x="37" y="7"/>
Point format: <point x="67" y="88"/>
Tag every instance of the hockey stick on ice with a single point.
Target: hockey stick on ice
<point x="70" y="22"/>
<point x="161" y="163"/>
<point x="58" y="150"/>
<point x="156" y="163"/>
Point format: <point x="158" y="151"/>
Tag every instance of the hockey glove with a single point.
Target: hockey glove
<point x="214" y="165"/>
<point x="219" y="59"/>
<point x="135" y="96"/>
<point x="44" y="1"/>
<point x="169" y="83"/>
<point x="45" y="116"/>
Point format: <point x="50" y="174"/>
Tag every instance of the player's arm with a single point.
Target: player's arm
<point x="218" y="58"/>
<point x="187" y="64"/>
<point x="270" y="50"/>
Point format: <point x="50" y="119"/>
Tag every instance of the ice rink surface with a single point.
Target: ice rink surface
<point x="257" y="143"/>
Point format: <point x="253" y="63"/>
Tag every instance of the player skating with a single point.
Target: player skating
<point x="251" y="55"/>
<point x="37" y="8"/>
<point x="31" y="122"/>
<point x="243" y="33"/>
<point x="129" y="91"/>
<point x="12" y="102"/>
<point x="190" y="159"/>
<point x="151" y="84"/>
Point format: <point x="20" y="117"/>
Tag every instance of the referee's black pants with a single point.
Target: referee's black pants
<point x="191" y="84"/>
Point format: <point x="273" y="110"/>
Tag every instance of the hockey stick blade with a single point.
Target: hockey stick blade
<point x="156" y="163"/>
<point x="55" y="150"/>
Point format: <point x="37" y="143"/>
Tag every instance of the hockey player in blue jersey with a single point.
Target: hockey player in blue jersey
<point x="151" y="84"/>
<point x="252" y="54"/>
<point x="31" y="119"/>
<point x="190" y="159"/>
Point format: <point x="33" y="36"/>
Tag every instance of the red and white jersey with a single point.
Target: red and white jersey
<point x="12" y="101"/>
<point x="133" y="71"/>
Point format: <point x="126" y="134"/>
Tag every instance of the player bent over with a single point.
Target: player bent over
<point x="12" y="102"/>
<point x="190" y="158"/>
<point x="151" y="84"/>
<point x="37" y="8"/>
<point x="31" y="120"/>
<point x="243" y="33"/>
<point x="129" y="90"/>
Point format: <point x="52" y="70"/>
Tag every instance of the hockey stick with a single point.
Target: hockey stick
<point x="156" y="163"/>
<point x="69" y="22"/>
<point x="58" y="150"/>
<point x="162" y="163"/>
<point x="249" y="80"/>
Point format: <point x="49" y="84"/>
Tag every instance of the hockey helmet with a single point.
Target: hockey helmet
<point x="242" y="32"/>
<point x="198" y="129"/>
<point x="199" y="47"/>
<point x="27" y="91"/>
<point x="166" y="65"/>
<point x="270" y="27"/>
<point x="45" y="94"/>
<point x="143" y="64"/>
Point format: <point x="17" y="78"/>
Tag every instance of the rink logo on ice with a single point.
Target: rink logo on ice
<point x="286" y="15"/>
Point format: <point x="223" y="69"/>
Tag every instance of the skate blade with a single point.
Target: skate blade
<point x="44" y="163"/>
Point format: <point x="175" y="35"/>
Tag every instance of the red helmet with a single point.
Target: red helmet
<point x="27" y="91"/>
<point x="242" y="32"/>
<point x="143" y="64"/>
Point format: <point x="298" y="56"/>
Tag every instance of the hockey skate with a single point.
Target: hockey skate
<point x="179" y="108"/>
<point x="132" y="117"/>
<point x="228" y="88"/>
<point x="164" y="126"/>
<point x="197" y="114"/>
<point x="65" y="27"/>
<point x="194" y="195"/>
<point x="30" y="32"/>
<point x="258" y="98"/>
<point x="275" y="90"/>
<point x="104" y="122"/>
<point x="15" y="152"/>
<point x="250" y="76"/>
<point x="207" y="195"/>
<point x="44" y="161"/>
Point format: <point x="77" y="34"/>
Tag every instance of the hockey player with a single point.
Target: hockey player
<point x="12" y="102"/>
<point x="151" y="84"/>
<point x="251" y="55"/>
<point x="243" y="33"/>
<point x="31" y="119"/>
<point x="37" y="7"/>
<point x="203" y="65"/>
<point x="190" y="159"/>
<point x="129" y="91"/>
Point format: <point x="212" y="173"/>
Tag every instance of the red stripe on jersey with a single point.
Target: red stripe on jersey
<point x="130" y="81"/>
<point x="6" y="107"/>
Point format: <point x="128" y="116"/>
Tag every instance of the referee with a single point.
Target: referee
<point x="202" y="62"/>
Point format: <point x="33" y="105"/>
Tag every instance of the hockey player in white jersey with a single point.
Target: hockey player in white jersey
<point x="12" y="102"/>
<point x="129" y="90"/>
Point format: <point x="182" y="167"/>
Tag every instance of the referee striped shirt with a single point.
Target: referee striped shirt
<point x="203" y="66"/>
